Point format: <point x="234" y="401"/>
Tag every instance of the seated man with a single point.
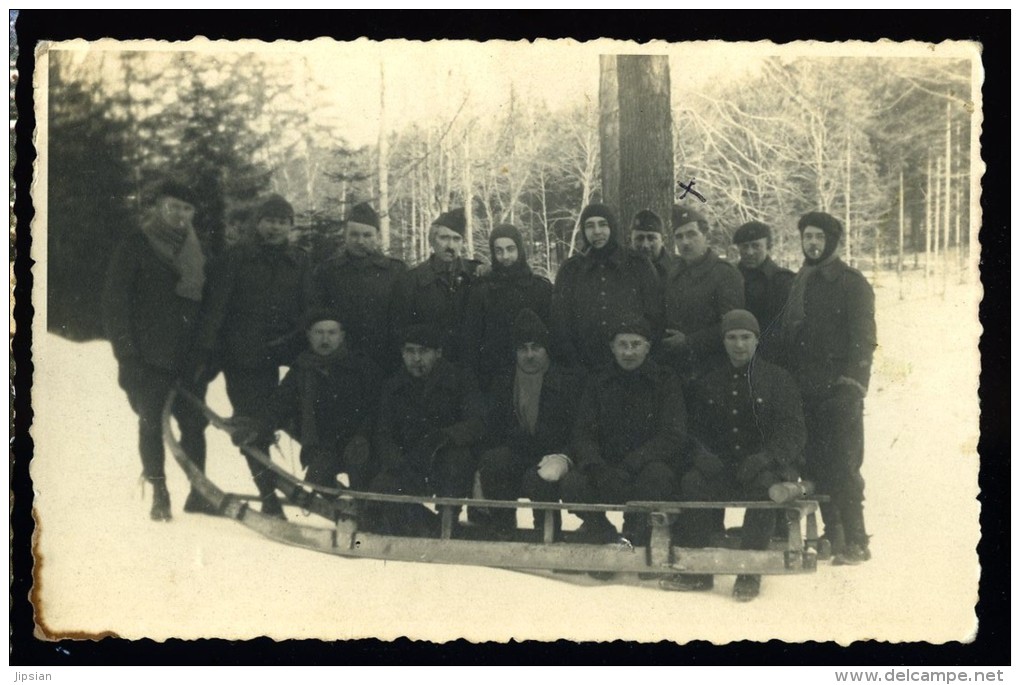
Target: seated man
<point x="326" y="403"/>
<point x="747" y="420"/>
<point x="532" y="410"/>
<point x="627" y="437"/>
<point x="430" y="418"/>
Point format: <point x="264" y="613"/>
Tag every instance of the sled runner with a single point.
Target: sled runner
<point x="339" y="513"/>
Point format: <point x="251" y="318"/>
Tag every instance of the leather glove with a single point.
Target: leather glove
<point x="553" y="467"/>
<point x="751" y="466"/>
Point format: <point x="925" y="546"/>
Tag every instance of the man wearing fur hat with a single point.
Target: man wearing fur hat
<point x="599" y="287"/>
<point x="436" y="291"/>
<point x="747" y="432"/>
<point x="701" y="289"/>
<point x="628" y="436"/>
<point x="253" y="319"/>
<point x="430" y="420"/>
<point x="151" y="300"/>
<point x="766" y="284"/>
<point x="496" y="298"/>
<point x="532" y="407"/>
<point x="327" y="403"/>
<point x="829" y="339"/>
<point x="358" y="284"/>
<point x="647" y="240"/>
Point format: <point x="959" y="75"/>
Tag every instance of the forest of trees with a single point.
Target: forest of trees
<point x="883" y="144"/>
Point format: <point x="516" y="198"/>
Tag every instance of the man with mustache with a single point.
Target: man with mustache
<point x="700" y="290"/>
<point x="596" y="289"/>
<point x="436" y="291"/>
<point x="358" y="284"/>
<point x="829" y="339"/>
<point x="646" y="239"/>
<point x="151" y="299"/>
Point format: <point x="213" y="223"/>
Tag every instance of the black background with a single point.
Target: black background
<point x="991" y="646"/>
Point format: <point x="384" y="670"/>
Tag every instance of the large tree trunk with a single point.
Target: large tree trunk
<point x="636" y="136"/>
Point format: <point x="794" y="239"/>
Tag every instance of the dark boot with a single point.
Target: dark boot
<point x="271" y="506"/>
<point x="196" y="504"/>
<point x="747" y="587"/>
<point x="160" y="500"/>
<point x="596" y="530"/>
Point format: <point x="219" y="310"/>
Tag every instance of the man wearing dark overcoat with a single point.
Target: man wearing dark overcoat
<point x="431" y="418"/>
<point x="358" y="284"/>
<point x="436" y="291"/>
<point x="766" y="284"/>
<point x="748" y="434"/>
<point x="496" y="299"/>
<point x="532" y="408"/>
<point x="829" y="338"/>
<point x="596" y="289"/>
<point x="701" y="289"/>
<point x="627" y="440"/>
<point x="151" y="300"/>
<point x="252" y="321"/>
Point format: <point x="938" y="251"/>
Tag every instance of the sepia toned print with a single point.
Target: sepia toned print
<point x="719" y="163"/>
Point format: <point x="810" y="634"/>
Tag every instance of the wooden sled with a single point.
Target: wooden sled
<point x="337" y="512"/>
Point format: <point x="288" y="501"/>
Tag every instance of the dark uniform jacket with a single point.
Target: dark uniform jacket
<point x="324" y="402"/>
<point x="697" y="295"/>
<point x="754" y="410"/>
<point x="415" y="413"/>
<point x="359" y="291"/>
<point x="428" y="294"/>
<point x="255" y="301"/>
<point x="592" y="295"/>
<point x="494" y="303"/>
<point x="629" y="419"/>
<point x="837" y="337"/>
<point x="665" y="264"/>
<point x="143" y="316"/>
<point x="557" y="410"/>
<point x="765" y="291"/>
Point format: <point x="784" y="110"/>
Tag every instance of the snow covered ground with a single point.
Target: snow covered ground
<point x="105" y="567"/>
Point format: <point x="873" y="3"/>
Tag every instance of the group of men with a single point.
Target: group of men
<point x="639" y="374"/>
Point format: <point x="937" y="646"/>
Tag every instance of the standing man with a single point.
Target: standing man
<point x="253" y="321"/>
<point x="495" y="301"/>
<point x="748" y="432"/>
<point x="828" y="332"/>
<point x="701" y="289"/>
<point x="431" y="418"/>
<point x="151" y="300"/>
<point x="598" y="288"/>
<point x="766" y="284"/>
<point x="436" y="291"/>
<point x="646" y="239"/>
<point x="358" y="284"/>
<point x="628" y="436"/>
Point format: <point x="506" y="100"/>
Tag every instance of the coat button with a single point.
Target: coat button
<point x="736" y="430"/>
<point x="734" y="413"/>
<point x="734" y="393"/>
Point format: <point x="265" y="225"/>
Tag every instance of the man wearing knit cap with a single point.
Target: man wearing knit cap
<point x="600" y="286"/>
<point x="327" y="403"/>
<point x="430" y="421"/>
<point x="828" y="337"/>
<point x="766" y="284"/>
<point x="496" y="298"/>
<point x="747" y="431"/>
<point x="152" y="296"/>
<point x="437" y="290"/>
<point x="628" y="435"/>
<point x="702" y="288"/>
<point x="253" y="320"/>
<point x="358" y="283"/>
<point x="646" y="239"/>
<point x="532" y="407"/>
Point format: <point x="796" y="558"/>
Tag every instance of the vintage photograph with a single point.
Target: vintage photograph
<point x="507" y="340"/>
